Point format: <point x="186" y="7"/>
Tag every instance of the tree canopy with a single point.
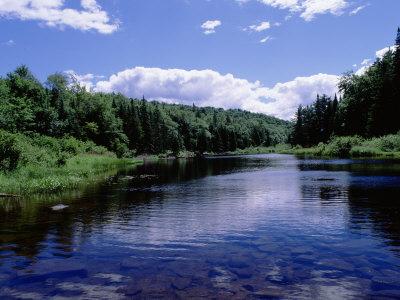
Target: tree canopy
<point x="61" y="108"/>
<point x="369" y="105"/>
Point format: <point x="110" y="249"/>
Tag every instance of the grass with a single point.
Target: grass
<point x="260" y="150"/>
<point x="354" y="147"/>
<point x="31" y="164"/>
<point x="78" y="170"/>
<point x="345" y="147"/>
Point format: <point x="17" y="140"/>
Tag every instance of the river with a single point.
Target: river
<point x="257" y="227"/>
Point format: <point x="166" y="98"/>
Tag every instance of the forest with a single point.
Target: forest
<point x="58" y="124"/>
<point x="55" y="135"/>
<point x="368" y="106"/>
<point x="61" y="108"/>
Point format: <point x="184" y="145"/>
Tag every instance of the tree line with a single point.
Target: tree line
<point x="61" y="108"/>
<point x="369" y="105"/>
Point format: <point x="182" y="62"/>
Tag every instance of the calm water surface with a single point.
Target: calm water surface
<point x="258" y="227"/>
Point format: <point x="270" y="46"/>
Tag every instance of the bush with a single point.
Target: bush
<point x="72" y="146"/>
<point x="10" y="151"/>
<point x="18" y="150"/>
<point x="363" y="151"/>
<point x="92" y="148"/>
<point x="340" y="146"/>
<point x="390" y="143"/>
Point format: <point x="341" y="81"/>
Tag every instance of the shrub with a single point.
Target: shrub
<point x="390" y="143"/>
<point x="72" y="146"/>
<point x="341" y="146"/>
<point x="10" y="151"/>
<point x="363" y="151"/>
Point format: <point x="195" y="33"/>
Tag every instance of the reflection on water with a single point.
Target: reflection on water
<point x="268" y="226"/>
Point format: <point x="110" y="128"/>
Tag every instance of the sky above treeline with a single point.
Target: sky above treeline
<point x="265" y="56"/>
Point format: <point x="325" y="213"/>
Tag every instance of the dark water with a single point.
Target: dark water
<point x="261" y="227"/>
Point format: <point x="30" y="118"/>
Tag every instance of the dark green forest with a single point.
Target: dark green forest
<point x="369" y="105"/>
<point x="61" y="108"/>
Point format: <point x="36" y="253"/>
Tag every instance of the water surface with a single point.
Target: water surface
<point x="258" y="227"/>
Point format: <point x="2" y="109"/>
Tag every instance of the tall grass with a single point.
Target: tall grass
<point x="354" y="146"/>
<point x="41" y="164"/>
<point x="280" y="148"/>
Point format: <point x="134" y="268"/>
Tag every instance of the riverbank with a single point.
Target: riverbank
<point x="344" y="147"/>
<point x="31" y="164"/>
<point x="355" y="147"/>
<point x="77" y="171"/>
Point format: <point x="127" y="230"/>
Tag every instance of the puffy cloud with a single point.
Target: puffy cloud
<point x="367" y="63"/>
<point x="308" y="9"/>
<point x="260" y="27"/>
<point x="53" y="13"/>
<point x="210" y="26"/>
<point x="380" y="53"/>
<point x="210" y="88"/>
<point x="293" y="5"/>
<point x="86" y="80"/>
<point x="286" y="97"/>
<point x="311" y="8"/>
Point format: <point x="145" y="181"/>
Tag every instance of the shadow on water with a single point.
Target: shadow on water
<point x="371" y="189"/>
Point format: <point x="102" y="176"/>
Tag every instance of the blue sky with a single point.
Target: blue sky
<point x="240" y="50"/>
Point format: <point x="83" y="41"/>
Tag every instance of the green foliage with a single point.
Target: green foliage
<point x="37" y="163"/>
<point x="340" y="146"/>
<point x="18" y="150"/>
<point x="10" y="152"/>
<point x="62" y="109"/>
<point x="389" y="143"/>
<point x="77" y="170"/>
<point x="315" y="123"/>
<point x="363" y="151"/>
<point x="355" y="146"/>
<point x="370" y="107"/>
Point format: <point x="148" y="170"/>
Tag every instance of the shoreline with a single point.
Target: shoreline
<point x="82" y="170"/>
<point x="79" y="171"/>
<point x="313" y="152"/>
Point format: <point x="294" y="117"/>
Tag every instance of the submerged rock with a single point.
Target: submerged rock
<point x="59" y="207"/>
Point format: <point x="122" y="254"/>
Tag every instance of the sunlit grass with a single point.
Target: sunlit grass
<point x="382" y="147"/>
<point x="78" y="170"/>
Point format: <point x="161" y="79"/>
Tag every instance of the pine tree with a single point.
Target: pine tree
<point x="396" y="79"/>
<point x="298" y="128"/>
<point x="147" y="141"/>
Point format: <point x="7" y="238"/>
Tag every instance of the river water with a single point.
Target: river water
<point x="256" y="227"/>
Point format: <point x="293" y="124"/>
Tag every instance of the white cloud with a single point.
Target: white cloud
<point x="311" y="8"/>
<point x="210" y="26"/>
<point x="367" y="63"/>
<point x="293" y="5"/>
<point x="357" y="10"/>
<point x="264" y="40"/>
<point x="380" y="53"/>
<point x="302" y="90"/>
<point x="260" y="27"/>
<point x="88" y="81"/>
<point x="308" y="9"/>
<point x="210" y="88"/>
<point x="362" y="70"/>
<point x="53" y="13"/>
